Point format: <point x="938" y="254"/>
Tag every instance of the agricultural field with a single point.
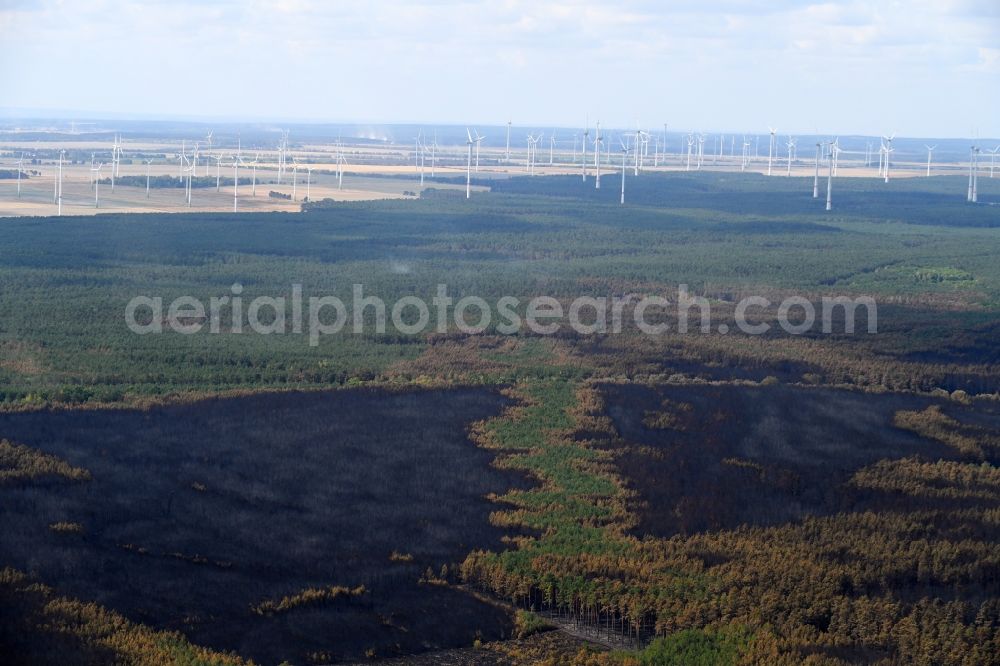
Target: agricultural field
<point x="453" y="497"/>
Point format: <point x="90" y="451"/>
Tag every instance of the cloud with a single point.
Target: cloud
<point x="460" y="60"/>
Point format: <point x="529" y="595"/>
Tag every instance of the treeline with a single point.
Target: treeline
<point x="172" y="182"/>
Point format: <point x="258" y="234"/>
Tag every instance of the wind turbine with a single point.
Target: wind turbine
<point x="641" y="142"/>
<point x="790" y="146"/>
<point x="148" y="162"/>
<point x="62" y="154"/>
<point x="583" y="152"/>
<point x="114" y="162"/>
<point x="993" y="157"/>
<point x="690" y="140"/>
<point x="341" y="160"/>
<point x="770" y="148"/>
<point x="624" y="167"/>
<point x="973" y="174"/>
<point x="253" y="186"/>
<point x="468" y="165"/>
<point x="597" y="155"/>
<point x="20" y="167"/>
<point x="479" y="140"/>
<point x="552" y="146"/>
<point x="829" y="181"/>
<point x="416" y="151"/>
<point x="218" y="171"/>
<point x="422" y="147"/>
<point x="96" y="171"/>
<point x="434" y="147"/>
<point x="507" y="153"/>
<point x="237" y="161"/>
<point x="295" y="176"/>
<point x="930" y="151"/>
<point x="819" y="147"/>
<point x="309" y="171"/>
<point x="888" y="154"/>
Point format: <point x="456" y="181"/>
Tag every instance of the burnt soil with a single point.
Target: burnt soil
<point x="197" y="513"/>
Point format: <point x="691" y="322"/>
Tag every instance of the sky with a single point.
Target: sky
<point x="915" y="67"/>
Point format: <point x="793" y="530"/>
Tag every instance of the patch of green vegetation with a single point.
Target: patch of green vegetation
<point x="695" y="647"/>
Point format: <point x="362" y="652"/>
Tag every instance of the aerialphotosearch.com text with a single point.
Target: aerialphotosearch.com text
<point x="316" y="316"/>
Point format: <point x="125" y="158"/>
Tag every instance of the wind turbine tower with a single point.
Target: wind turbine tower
<point x="819" y="147"/>
<point x="468" y="166"/>
<point x="624" y="167"/>
<point x="930" y="151"/>
<point x="829" y="180"/>
<point x="507" y="153"/>
<point x="770" y="148"/>
<point x="597" y="155"/>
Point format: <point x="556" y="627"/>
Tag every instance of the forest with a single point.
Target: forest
<point x="684" y="498"/>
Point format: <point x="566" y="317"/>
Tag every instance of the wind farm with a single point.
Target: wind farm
<point x="146" y="173"/>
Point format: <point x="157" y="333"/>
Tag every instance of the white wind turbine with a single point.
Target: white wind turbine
<point x="624" y="167"/>
<point x="218" y="171"/>
<point x="114" y="162"/>
<point x="468" y="165"/>
<point x="253" y="185"/>
<point x="930" y="152"/>
<point x="295" y="176"/>
<point x="552" y="147"/>
<point x="237" y="161"/>
<point x="973" y="195"/>
<point x="422" y="147"/>
<point x="597" y="155"/>
<point x="416" y="152"/>
<point x="20" y="167"/>
<point x="819" y="148"/>
<point x="148" y="162"/>
<point x="829" y="180"/>
<point x="993" y="158"/>
<point x="478" y="140"/>
<point x="96" y="172"/>
<point x="62" y="154"/>
<point x="190" y="174"/>
<point x="583" y="151"/>
<point x="434" y="147"/>
<point x="790" y="147"/>
<point x="641" y="142"/>
<point x="888" y="154"/>
<point x="770" y="148"/>
<point x="836" y="155"/>
<point x="341" y="161"/>
<point x="507" y="152"/>
<point x="690" y="140"/>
